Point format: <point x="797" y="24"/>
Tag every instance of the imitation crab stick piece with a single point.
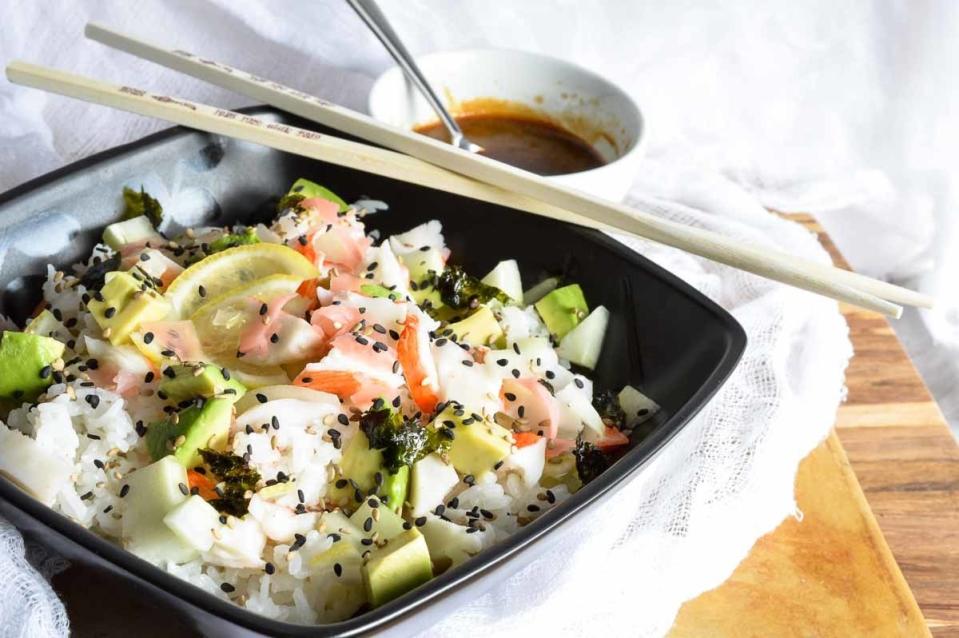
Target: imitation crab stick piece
<point x="342" y="384"/>
<point x="522" y="439"/>
<point x="418" y="367"/>
<point x="204" y="485"/>
<point x="612" y="438"/>
<point x="335" y="320"/>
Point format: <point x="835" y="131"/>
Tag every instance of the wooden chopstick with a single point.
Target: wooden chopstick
<point x="765" y="262"/>
<point x="387" y="163"/>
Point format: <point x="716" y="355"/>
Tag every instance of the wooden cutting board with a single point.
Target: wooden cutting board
<point x="877" y="550"/>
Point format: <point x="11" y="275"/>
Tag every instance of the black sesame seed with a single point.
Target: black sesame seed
<point x="532" y="507"/>
<point x="515" y="373"/>
<point x="87" y="496"/>
<point x="168" y="353"/>
<point x="368" y="524"/>
<point x="93" y="400"/>
<point x="467" y="362"/>
<point x="509" y="396"/>
<point x="469" y="479"/>
<point x="579" y="383"/>
<point x="334" y="537"/>
<point x="550" y="496"/>
<point x="261" y="397"/>
<point x="343" y="419"/>
<point x="109" y="312"/>
<point x="98" y="463"/>
<point x="93" y="364"/>
<point x="502" y="362"/>
<point x="107" y="509"/>
<point x="420" y="522"/>
<point x="407" y="525"/>
<point x="46" y="371"/>
<point x="227" y="588"/>
<point x="439" y="509"/>
<point x="274" y="338"/>
<point x="269" y="568"/>
<point x="340" y="484"/>
<point x="201" y="290"/>
<point x="148" y="377"/>
<point x="124" y="490"/>
<point x="521" y="411"/>
<point x="550" y="374"/>
<point x="337" y="569"/>
<point x="471" y="530"/>
<point x="358" y="495"/>
<point x="380" y="329"/>
<point x="373" y="503"/>
<point x="183" y="489"/>
<point x="454" y="502"/>
<point x="394" y="335"/>
<point x="366" y="541"/>
<point x="170" y="373"/>
<point x="275" y="422"/>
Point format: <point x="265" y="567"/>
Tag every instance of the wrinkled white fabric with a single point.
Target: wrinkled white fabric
<point x="842" y="109"/>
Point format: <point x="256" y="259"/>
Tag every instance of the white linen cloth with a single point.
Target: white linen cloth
<point x="844" y="110"/>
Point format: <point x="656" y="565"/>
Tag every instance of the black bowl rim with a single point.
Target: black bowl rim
<point x="415" y="601"/>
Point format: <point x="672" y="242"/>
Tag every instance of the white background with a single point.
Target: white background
<point x="843" y="109"/>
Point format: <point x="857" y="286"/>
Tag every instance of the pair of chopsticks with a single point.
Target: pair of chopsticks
<point x="427" y="162"/>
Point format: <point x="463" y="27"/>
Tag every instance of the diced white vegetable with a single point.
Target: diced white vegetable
<point x="38" y="471"/>
<point x="449" y="541"/>
<point x="119" y="234"/>
<point x="421" y="262"/>
<point x="429" y="234"/>
<point x="506" y="277"/>
<point x="576" y="412"/>
<point x="154" y="490"/>
<point x="475" y="386"/>
<point x="273" y="392"/>
<point x="528" y="462"/>
<point x="637" y="406"/>
<point x="193" y="521"/>
<point x="388" y="270"/>
<point x="582" y="344"/>
<point x="431" y="481"/>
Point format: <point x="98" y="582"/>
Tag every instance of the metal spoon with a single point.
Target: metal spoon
<point x="370" y="13"/>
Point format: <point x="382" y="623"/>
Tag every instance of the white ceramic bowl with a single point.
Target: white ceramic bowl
<point x="587" y="104"/>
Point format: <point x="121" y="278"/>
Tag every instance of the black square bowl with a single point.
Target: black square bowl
<point x="664" y="337"/>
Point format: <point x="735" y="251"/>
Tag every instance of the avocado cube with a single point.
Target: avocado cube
<point x="387" y="523"/>
<point x="305" y="189"/>
<point x="25" y="360"/>
<point x="343" y="553"/>
<point x="402" y="565"/>
<point x="336" y="522"/>
<point x="201" y="427"/>
<point x="189" y="381"/>
<point x="153" y="492"/>
<point x="562" y="309"/>
<point x="359" y="463"/>
<point x="126" y="304"/>
<point x="46" y="325"/>
<point x="478" y="446"/>
<point x="421" y="263"/>
<point x="479" y="329"/>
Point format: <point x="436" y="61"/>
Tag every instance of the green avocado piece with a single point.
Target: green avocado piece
<point x="562" y="309"/>
<point x="201" y="427"/>
<point x="393" y="490"/>
<point x="305" y="189"/>
<point x="232" y="240"/>
<point x="376" y="290"/>
<point x="386" y="525"/>
<point x="479" y="329"/>
<point x="423" y="264"/>
<point x="478" y="446"/>
<point x="126" y="304"/>
<point x="189" y="381"/>
<point x="403" y="564"/>
<point x="359" y="463"/>
<point x="23" y="357"/>
<point x="46" y="325"/>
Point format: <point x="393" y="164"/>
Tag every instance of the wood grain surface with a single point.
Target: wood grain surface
<point x="877" y="550"/>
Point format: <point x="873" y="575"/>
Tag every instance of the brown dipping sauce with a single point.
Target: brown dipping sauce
<point x="532" y="144"/>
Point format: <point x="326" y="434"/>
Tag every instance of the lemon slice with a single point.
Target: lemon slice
<point x="220" y="321"/>
<point x="232" y="269"/>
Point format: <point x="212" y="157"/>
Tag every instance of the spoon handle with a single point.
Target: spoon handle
<point x="370" y="13"/>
